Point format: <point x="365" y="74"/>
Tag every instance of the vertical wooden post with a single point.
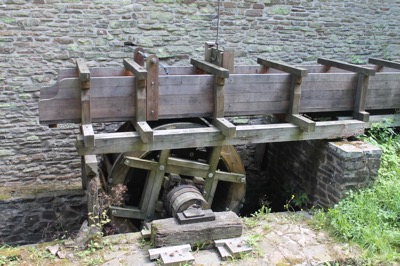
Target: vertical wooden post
<point x="153" y="186"/>
<point x="152" y="66"/>
<point x="140" y="124"/>
<point x="364" y="73"/>
<point x="88" y="162"/>
<point x="296" y="76"/>
<point x="217" y="63"/>
<point x="361" y="98"/>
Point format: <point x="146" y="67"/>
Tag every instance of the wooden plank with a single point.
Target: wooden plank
<point x="167" y="232"/>
<point x="361" y="98"/>
<point x="138" y="56"/>
<point x="86" y="117"/>
<point x="140" y="163"/>
<point x="127" y="212"/>
<point x="211" y="182"/>
<point x="152" y="88"/>
<point x="83" y="70"/>
<point x="154" y="182"/>
<point x="91" y="165"/>
<point x="228" y="58"/>
<point x="89" y="176"/>
<point x="210" y="68"/>
<point x="298" y="71"/>
<point x="295" y="95"/>
<point x="208" y="48"/>
<point x="137" y="70"/>
<point x="346" y="66"/>
<point x="226" y="127"/>
<point x="188" y="164"/>
<point x="391" y="120"/>
<point x="145" y="131"/>
<point x="384" y="63"/>
<point x="88" y="135"/>
<point x="230" y="177"/>
<point x="113" y="99"/>
<point x="205" y="137"/>
<point x="219" y="102"/>
<point x="304" y="123"/>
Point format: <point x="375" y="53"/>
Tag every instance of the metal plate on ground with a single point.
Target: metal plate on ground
<point x="189" y="218"/>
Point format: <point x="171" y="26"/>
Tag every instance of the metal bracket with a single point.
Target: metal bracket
<point x="232" y="248"/>
<point x="176" y="255"/>
<point x="191" y="216"/>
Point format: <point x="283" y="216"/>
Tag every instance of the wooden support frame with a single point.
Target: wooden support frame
<point x="208" y="137"/>
<point x="210" y="68"/>
<point x="383" y="63"/>
<point x="141" y="76"/>
<point x="138" y="56"/>
<point x="297" y="74"/>
<point x="89" y="170"/>
<point x="152" y="87"/>
<point x="362" y="85"/>
<point x="88" y="135"/>
<point x="84" y="78"/>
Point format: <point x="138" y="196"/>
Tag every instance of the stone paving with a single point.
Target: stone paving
<point x="279" y="239"/>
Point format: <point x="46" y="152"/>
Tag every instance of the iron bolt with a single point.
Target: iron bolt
<point x="210" y="175"/>
<point x="153" y="60"/>
<point x="114" y="212"/>
<point x="243" y="180"/>
<point x="162" y="167"/>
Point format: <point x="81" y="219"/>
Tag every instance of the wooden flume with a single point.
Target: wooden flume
<point x="146" y="95"/>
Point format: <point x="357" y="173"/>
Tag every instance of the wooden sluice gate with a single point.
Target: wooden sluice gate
<point x="175" y="152"/>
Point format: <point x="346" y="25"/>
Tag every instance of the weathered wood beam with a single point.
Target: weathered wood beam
<point x="83" y="70"/>
<point x="228" y="58"/>
<point x="205" y="137"/>
<point x="140" y="163"/>
<point x="384" y="63"/>
<point x="145" y="131"/>
<point x="138" y="56"/>
<point x="138" y="71"/>
<point x="152" y="88"/>
<point x="346" y="66"/>
<point x="298" y="71"/>
<point x="389" y="120"/>
<point x="226" y="127"/>
<point x="89" y="172"/>
<point x="167" y="232"/>
<point x="88" y="135"/>
<point x="230" y="177"/>
<point x="303" y="122"/>
<point x="188" y="164"/>
<point x="153" y="186"/>
<point x="127" y="212"/>
<point x="243" y="94"/>
<point x="210" y="68"/>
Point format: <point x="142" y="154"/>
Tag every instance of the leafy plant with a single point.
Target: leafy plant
<point x="370" y="217"/>
<point x="296" y="202"/>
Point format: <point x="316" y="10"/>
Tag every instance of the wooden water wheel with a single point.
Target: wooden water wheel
<point x="217" y="173"/>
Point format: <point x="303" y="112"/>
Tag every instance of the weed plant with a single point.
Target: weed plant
<point x="371" y="217"/>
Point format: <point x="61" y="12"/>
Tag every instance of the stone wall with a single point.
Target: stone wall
<point x="41" y="217"/>
<point x="323" y="170"/>
<point x="37" y="37"/>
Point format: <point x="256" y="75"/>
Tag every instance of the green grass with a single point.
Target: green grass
<point x="371" y="217"/>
